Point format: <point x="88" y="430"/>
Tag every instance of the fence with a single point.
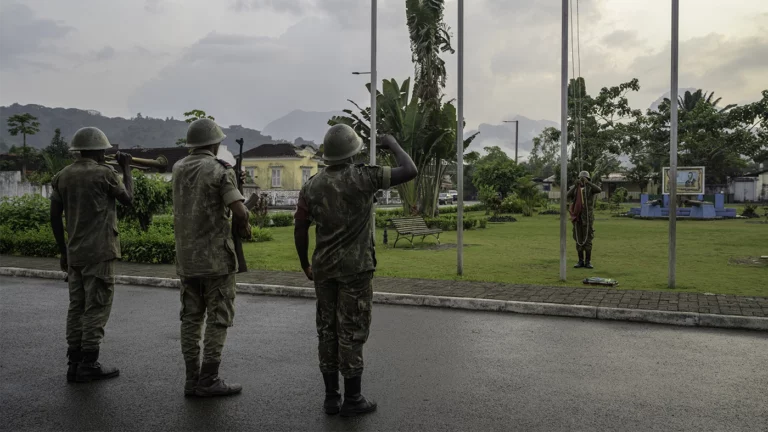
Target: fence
<point x="12" y="186"/>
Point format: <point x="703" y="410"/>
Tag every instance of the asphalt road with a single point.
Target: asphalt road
<point x="429" y="369"/>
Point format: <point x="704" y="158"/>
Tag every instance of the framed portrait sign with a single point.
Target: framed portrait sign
<point x="690" y="181"/>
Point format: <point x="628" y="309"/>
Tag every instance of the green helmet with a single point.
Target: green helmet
<point x="204" y="132"/>
<point x="341" y="142"/>
<point x="584" y="174"/>
<point x="89" y="138"/>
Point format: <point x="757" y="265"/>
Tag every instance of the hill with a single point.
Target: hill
<point x="503" y="135"/>
<point x="140" y="131"/>
<point x="309" y="125"/>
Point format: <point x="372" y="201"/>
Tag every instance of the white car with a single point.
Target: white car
<point x="444" y="199"/>
<point x="454" y="195"/>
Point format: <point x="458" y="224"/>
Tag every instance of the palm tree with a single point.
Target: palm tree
<point x="24" y="124"/>
<point x="689" y="101"/>
<point x="429" y="37"/>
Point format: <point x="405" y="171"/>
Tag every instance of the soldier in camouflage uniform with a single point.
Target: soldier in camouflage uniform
<point x="85" y="192"/>
<point x="205" y="202"/>
<point x="339" y="200"/>
<point x="583" y="217"/>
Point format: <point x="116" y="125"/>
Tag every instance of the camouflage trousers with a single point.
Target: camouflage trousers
<point x="91" y="288"/>
<point x="583" y="234"/>
<point x="214" y="296"/>
<point x="343" y="322"/>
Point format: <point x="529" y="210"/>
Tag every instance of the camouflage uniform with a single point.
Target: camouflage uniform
<point x="203" y="189"/>
<point x="87" y="191"/>
<point x="583" y="227"/>
<point x="339" y="200"/>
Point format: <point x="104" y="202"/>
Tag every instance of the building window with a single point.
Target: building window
<point x="305" y="174"/>
<point x="276" y="178"/>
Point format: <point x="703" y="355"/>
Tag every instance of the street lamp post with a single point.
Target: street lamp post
<point x="517" y="127"/>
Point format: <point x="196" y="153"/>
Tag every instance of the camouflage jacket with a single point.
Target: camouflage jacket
<point x="339" y="200"/>
<point x="203" y="189"/>
<point x="87" y="190"/>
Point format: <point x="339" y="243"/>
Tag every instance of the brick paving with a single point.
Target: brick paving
<point x="652" y="300"/>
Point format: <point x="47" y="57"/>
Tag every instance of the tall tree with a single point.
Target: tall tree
<point x="545" y="155"/>
<point x="58" y="146"/>
<point x="24" y="124"/>
<point x="429" y="36"/>
<point x="498" y="171"/>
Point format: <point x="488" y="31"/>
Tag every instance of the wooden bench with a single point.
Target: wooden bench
<point x="413" y="227"/>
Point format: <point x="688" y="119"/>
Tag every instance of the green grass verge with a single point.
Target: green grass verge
<point x="632" y="251"/>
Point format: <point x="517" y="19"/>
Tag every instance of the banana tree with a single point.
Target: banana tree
<point x="403" y="115"/>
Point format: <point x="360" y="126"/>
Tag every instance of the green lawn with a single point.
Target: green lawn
<point x="632" y="251"/>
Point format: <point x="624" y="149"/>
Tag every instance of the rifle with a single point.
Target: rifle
<point x="242" y="267"/>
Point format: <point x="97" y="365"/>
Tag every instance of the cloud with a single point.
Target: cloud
<point x="105" y="53"/>
<point x="619" y="38"/>
<point x="24" y="36"/>
<point x="296" y="7"/>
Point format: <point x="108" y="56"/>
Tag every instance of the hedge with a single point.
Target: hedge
<point x="27" y="212"/>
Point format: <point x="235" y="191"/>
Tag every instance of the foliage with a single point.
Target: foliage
<point x="545" y="154"/>
<point x="529" y="193"/>
<point x="618" y="197"/>
<point x="153" y="246"/>
<point x="282" y="219"/>
<point x="190" y="116"/>
<point x="259" y="213"/>
<point x="58" y="146"/>
<point x="27" y="212"/>
<point x="498" y="171"/>
<point x="151" y="195"/>
<point x="429" y="37"/>
<point x="497" y="218"/>
<point x="24" y="124"/>
<point x="483" y="223"/>
<point x="489" y="198"/>
<point x="261" y="235"/>
<point x="512" y="204"/>
<point x="450" y="223"/>
<point x="750" y="211"/>
<point x="602" y="206"/>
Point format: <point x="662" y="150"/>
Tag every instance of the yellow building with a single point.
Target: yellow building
<point x="281" y="166"/>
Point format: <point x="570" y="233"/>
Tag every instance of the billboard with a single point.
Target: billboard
<point x="690" y="181"/>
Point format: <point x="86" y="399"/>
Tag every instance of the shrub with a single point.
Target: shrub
<point x="483" y="223"/>
<point x="282" y="219"/>
<point x="550" y="211"/>
<point x="449" y="223"/>
<point x="164" y="220"/>
<point x="155" y="246"/>
<point x="512" y="204"/>
<point x="151" y="195"/>
<point x="261" y="235"/>
<point x="502" y="219"/>
<point x="750" y="211"/>
<point x="602" y="206"/>
<point x="27" y="212"/>
<point x="6" y="240"/>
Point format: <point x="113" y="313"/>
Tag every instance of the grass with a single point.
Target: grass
<point x="632" y="251"/>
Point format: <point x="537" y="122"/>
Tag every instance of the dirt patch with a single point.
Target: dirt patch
<point x="749" y="261"/>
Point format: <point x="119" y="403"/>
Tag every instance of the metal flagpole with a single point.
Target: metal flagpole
<point x="673" y="146"/>
<point x="460" y="146"/>
<point x="563" y="136"/>
<point x="374" y="86"/>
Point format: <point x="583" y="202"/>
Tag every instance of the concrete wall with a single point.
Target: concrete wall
<point x="12" y="186"/>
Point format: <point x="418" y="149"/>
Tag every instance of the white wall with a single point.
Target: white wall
<point x="12" y="186"/>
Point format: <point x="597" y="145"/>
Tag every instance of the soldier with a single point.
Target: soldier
<point x="339" y="200"/>
<point x="582" y="194"/>
<point x="85" y="192"/>
<point x="204" y="194"/>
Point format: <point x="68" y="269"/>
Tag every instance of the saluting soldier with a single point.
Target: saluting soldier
<point x="339" y="200"/>
<point x="206" y="202"/>
<point x="85" y="192"/>
<point x="582" y="196"/>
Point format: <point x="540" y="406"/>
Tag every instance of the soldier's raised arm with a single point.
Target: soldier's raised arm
<point x="405" y="170"/>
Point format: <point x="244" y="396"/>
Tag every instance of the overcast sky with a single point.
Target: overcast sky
<point x="251" y="61"/>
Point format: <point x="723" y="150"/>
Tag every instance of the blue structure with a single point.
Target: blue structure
<point x="656" y="209"/>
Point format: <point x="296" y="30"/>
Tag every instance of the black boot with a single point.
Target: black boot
<point x="91" y="370"/>
<point x="211" y="385"/>
<point x="355" y="403"/>
<point x="588" y="263"/>
<point x="75" y="357"/>
<point x="581" y="260"/>
<point x="332" y="403"/>
<point x="193" y="375"/>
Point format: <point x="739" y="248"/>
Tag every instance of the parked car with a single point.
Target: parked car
<point x="444" y="199"/>
<point x="454" y="194"/>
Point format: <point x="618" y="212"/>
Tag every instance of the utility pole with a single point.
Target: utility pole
<point x="517" y="127"/>
<point x="563" y="135"/>
<point x="460" y="145"/>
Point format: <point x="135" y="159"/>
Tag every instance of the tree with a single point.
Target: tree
<point x="498" y="171"/>
<point x="429" y="37"/>
<point x="58" y="146"/>
<point x="189" y="117"/>
<point x="151" y="195"/>
<point x="54" y="157"/>
<point x="545" y="155"/>
<point x="24" y="124"/>
<point x="529" y="192"/>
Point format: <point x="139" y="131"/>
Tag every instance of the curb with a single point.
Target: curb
<point x="686" y="319"/>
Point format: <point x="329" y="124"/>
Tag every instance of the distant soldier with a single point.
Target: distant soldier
<point x="85" y="192"/>
<point x="339" y="200"/>
<point x="582" y="196"/>
<point x="205" y="204"/>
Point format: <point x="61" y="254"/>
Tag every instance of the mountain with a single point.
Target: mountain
<point x="140" y="131"/>
<point x="308" y="125"/>
<point x="503" y="135"/>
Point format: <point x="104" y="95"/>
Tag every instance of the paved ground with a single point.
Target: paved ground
<point x="652" y="300"/>
<point x="429" y="369"/>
